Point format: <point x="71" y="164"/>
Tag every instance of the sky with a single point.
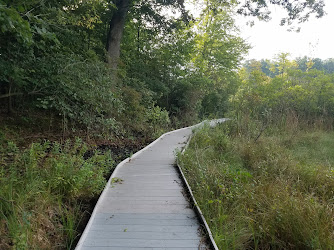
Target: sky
<point x="316" y="38"/>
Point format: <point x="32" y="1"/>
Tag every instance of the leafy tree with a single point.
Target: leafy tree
<point x="50" y="60"/>
<point x="283" y="64"/>
<point x="302" y="94"/>
<point x="150" y="9"/>
<point x="299" y="11"/>
<point x="306" y="63"/>
<point x="296" y="10"/>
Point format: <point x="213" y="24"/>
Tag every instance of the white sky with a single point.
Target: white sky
<point x="316" y="38"/>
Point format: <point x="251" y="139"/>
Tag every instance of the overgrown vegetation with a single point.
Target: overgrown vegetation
<point x="44" y="192"/>
<point x="274" y="192"/>
<point x="77" y="76"/>
<point x="290" y="94"/>
<point x="265" y="179"/>
<point x="55" y="86"/>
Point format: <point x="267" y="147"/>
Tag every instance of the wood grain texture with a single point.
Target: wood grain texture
<point x="144" y="205"/>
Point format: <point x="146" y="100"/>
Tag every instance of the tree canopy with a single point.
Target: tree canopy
<point x="122" y="72"/>
<point x="53" y="53"/>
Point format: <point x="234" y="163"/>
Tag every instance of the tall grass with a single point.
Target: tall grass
<point x="42" y="190"/>
<point x="273" y="191"/>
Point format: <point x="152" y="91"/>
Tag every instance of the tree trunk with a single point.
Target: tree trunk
<point x="115" y="32"/>
<point x="10" y="103"/>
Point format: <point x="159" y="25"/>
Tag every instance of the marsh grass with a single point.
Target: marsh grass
<point x="42" y="191"/>
<point x="275" y="192"/>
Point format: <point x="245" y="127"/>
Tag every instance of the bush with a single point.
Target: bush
<point x="41" y="191"/>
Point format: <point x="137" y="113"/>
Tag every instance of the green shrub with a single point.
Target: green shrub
<point x="41" y="192"/>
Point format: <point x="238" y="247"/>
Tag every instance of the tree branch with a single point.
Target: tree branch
<point x="10" y="94"/>
<point x="34" y="92"/>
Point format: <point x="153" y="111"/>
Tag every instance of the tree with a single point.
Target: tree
<point x="115" y="33"/>
<point x="49" y="60"/>
<point x="117" y="22"/>
<point x="283" y="64"/>
<point x="296" y="10"/>
<point x="299" y="10"/>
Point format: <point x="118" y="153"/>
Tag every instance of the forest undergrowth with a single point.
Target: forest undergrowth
<point x="270" y="189"/>
<point x="50" y="181"/>
<point x="73" y="104"/>
<point x="46" y="191"/>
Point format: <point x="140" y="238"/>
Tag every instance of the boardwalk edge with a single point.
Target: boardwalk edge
<point x="193" y="200"/>
<point x="89" y="224"/>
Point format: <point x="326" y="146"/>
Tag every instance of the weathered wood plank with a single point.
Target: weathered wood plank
<point x="119" y="208"/>
<point x="142" y="243"/>
<point x="136" y="248"/>
<point x="143" y="235"/>
<point x="146" y="208"/>
<point x="146" y="221"/>
<point x="152" y="201"/>
<point x="170" y="216"/>
<point x="141" y="228"/>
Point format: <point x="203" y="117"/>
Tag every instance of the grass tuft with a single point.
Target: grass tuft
<point x="272" y="192"/>
<point x="42" y="188"/>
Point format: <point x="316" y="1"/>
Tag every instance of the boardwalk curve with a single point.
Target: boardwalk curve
<point x="144" y="205"/>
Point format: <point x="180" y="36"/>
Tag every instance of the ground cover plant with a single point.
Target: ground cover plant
<point x="273" y="191"/>
<point x="45" y="190"/>
<point x="117" y="74"/>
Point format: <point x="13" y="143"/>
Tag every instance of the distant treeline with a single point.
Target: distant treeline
<point x="326" y="65"/>
<point x="282" y="89"/>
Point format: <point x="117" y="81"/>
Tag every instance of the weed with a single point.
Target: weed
<point x="41" y="192"/>
<point x="274" y="192"/>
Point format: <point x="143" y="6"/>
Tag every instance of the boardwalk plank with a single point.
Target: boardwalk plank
<point x="170" y="216"/>
<point x="141" y="228"/>
<point x="137" y="248"/>
<point x="143" y="235"/>
<point x="142" y="243"/>
<point x="146" y="221"/>
<point x="146" y="208"/>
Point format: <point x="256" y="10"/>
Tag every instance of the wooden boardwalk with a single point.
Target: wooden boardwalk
<point x="144" y="205"/>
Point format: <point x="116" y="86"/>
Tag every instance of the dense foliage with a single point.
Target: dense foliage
<point x="43" y="189"/>
<point x="53" y="57"/>
<point x="290" y="92"/>
<point x="265" y="179"/>
<point x="51" y="60"/>
<point x="272" y="192"/>
<point x="114" y="71"/>
<point x="55" y="83"/>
